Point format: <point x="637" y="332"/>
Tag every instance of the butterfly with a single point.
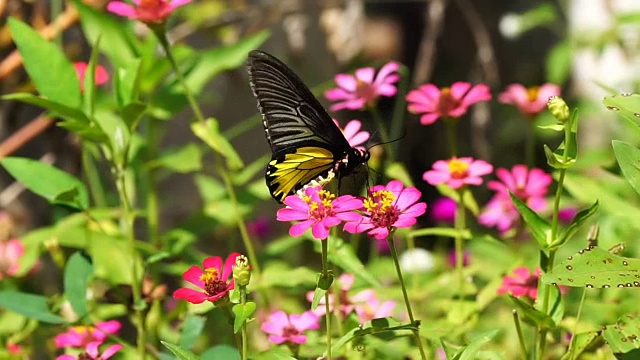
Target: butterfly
<point x="308" y="148"/>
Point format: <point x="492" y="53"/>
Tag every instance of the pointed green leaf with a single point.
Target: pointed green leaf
<point x="182" y="160"/>
<point x="242" y="313"/>
<point x="209" y="132"/>
<point x="438" y="231"/>
<point x="470" y="350"/>
<point x="628" y="157"/>
<point x="47" y="66"/>
<point x="580" y="342"/>
<point x="219" y="352"/>
<point x="126" y="83"/>
<point x="77" y="273"/>
<point x="318" y="295"/>
<point x="32" y="306"/>
<point x="556" y="302"/>
<point x="627" y="106"/>
<point x="181" y="353"/>
<point x="59" y="109"/>
<point x="576" y="223"/>
<point x="623" y="337"/>
<point x="594" y="267"/>
<point x="191" y="329"/>
<point x="540" y="228"/>
<point x="89" y="80"/>
<point x="31" y="173"/>
<point x="532" y="315"/>
<point x="132" y="114"/>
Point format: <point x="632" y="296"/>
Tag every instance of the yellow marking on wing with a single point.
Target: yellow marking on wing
<point x="299" y="168"/>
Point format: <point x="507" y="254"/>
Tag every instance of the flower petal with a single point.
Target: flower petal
<point x="192" y="296"/>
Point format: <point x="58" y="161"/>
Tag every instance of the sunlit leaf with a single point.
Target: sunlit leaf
<point x="624" y="336"/>
<point x="191" y="329"/>
<point x="77" y="274"/>
<point x="181" y="353"/>
<point x="628" y="157"/>
<point x="242" y="313"/>
<point x="627" y="106"/>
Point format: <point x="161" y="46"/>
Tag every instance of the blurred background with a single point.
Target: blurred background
<point x="585" y="46"/>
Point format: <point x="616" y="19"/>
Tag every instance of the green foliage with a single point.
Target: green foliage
<point x="77" y="274"/>
<point x="30" y="305"/>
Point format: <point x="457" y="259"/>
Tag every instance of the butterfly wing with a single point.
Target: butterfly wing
<point x="305" y="142"/>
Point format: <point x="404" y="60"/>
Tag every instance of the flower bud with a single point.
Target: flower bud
<point x="558" y="108"/>
<point x="242" y="271"/>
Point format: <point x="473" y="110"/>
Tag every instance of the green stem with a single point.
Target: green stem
<point x="575" y="326"/>
<point x="93" y="177"/>
<point x="127" y="221"/>
<point x="460" y="223"/>
<point x="325" y="275"/>
<point x="153" y="210"/>
<point x="243" y="301"/>
<point x="451" y="135"/>
<point x="523" y="346"/>
<point x="396" y="262"/>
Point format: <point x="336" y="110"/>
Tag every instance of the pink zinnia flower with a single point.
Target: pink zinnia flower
<point x="529" y="185"/>
<point x="387" y="208"/>
<point x="101" y="75"/>
<point x="457" y="172"/>
<point x="500" y="213"/>
<point x="92" y="353"/>
<point x="530" y="101"/>
<point x="363" y="89"/>
<point x="214" y="278"/>
<point x="319" y="210"/>
<point x="11" y="251"/>
<point x="452" y="102"/>
<point x="523" y="283"/>
<point x="443" y="209"/>
<point x="352" y="133"/>
<point x="81" y="336"/>
<point x="282" y="328"/>
<point x="347" y="303"/>
<point x="374" y="309"/>
<point x="147" y="11"/>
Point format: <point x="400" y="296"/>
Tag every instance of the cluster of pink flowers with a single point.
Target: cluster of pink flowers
<point x="89" y="339"/>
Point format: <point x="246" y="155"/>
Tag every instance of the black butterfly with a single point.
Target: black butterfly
<point x="308" y="148"/>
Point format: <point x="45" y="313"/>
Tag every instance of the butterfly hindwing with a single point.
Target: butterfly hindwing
<point x="308" y="148"/>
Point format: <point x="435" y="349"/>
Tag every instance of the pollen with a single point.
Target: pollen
<point x="457" y="168"/>
<point x="209" y="275"/>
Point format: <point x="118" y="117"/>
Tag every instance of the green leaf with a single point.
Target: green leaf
<point x="576" y="223"/>
<point x="628" y="157"/>
<point x="118" y="135"/>
<point x="181" y="353"/>
<point x="117" y="42"/>
<point x="209" y="132"/>
<point x="31" y="174"/>
<point x="111" y="258"/>
<point x="532" y="315"/>
<point x="469" y="351"/>
<point x="219" y="352"/>
<point x="342" y="255"/>
<point x="540" y="228"/>
<point x="132" y="114"/>
<point x="126" y="83"/>
<point x="374" y="326"/>
<point x="242" y="313"/>
<point x="47" y="66"/>
<point x="57" y="108"/>
<point x="77" y="273"/>
<point x="318" y="294"/>
<point x="558" y="64"/>
<point x="182" y="160"/>
<point x="398" y="171"/>
<point x="89" y="80"/>
<point x="580" y="342"/>
<point x="32" y="306"/>
<point x="191" y="330"/>
<point x="627" y="106"/>
<point x="623" y="336"/>
<point x="594" y="267"/>
<point x="437" y="231"/>
<point x="556" y="302"/>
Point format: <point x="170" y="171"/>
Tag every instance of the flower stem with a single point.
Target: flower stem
<point x="127" y="220"/>
<point x="243" y="301"/>
<point x="460" y="223"/>
<point x="451" y="135"/>
<point x="523" y="346"/>
<point x="416" y="333"/>
<point x="575" y="327"/>
<point x="325" y="275"/>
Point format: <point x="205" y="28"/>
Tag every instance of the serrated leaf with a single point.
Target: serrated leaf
<point x="628" y="157"/>
<point x="191" y="330"/>
<point x="31" y="173"/>
<point x="54" y="78"/>
<point x="594" y="267"/>
<point x="242" y="313"/>
<point x="624" y="336"/>
<point x="627" y="106"/>
<point x="77" y="273"/>
<point x="540" y="228"/>
<point x="30" y="305"/>
<point x="181" y="353"/>
<point x="209" y="132"/>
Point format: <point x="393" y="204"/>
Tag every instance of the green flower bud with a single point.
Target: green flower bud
<point x="558" y="109"/>
<point x="242" y="271"/>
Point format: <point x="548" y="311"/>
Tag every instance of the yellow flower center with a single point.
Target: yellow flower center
<point x="322" y="209"/>
<point x="532" y="93"/>
<point x="446" y="102"/>
<point x="209" y="275"/>
<point x="457" y="168"/>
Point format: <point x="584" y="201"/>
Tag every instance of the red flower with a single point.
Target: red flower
<point x="213" y="278"/>
<point x="101" y="75"/>
<point x="147" y="11"/>
<point x="523" y="283"/>
<point x="452" y="102"/>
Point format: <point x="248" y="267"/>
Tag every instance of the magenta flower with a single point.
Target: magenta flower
<point x="260" y="227"/>
<point x="11" y="251"/>
<point x="92" y="353"/>
<point x="147" y="11"/>
<point x="443" y="210"/>
<point x="529" y="185"/>
<point x="457" y="172"/>
<point x="363" y="89"/>
<point x="387" y="208"/>
<point x="282" y="328"/>
<point x="318" y="210"/>
<point x="530" y="101"/>
<point x="500" y="213"/>
<point x="566" y="215"/>
<point x="523" y="283"/>
<point x="352" y="133"/>
<point x="347" y="303"/>
<point x="374" y="309"/>
<point x="451" y="258"/>
<point x="81" y="336"/>
<point x="453" y="102"/>
<point x="214" y="278"/>
<point x="101" y="75"/>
